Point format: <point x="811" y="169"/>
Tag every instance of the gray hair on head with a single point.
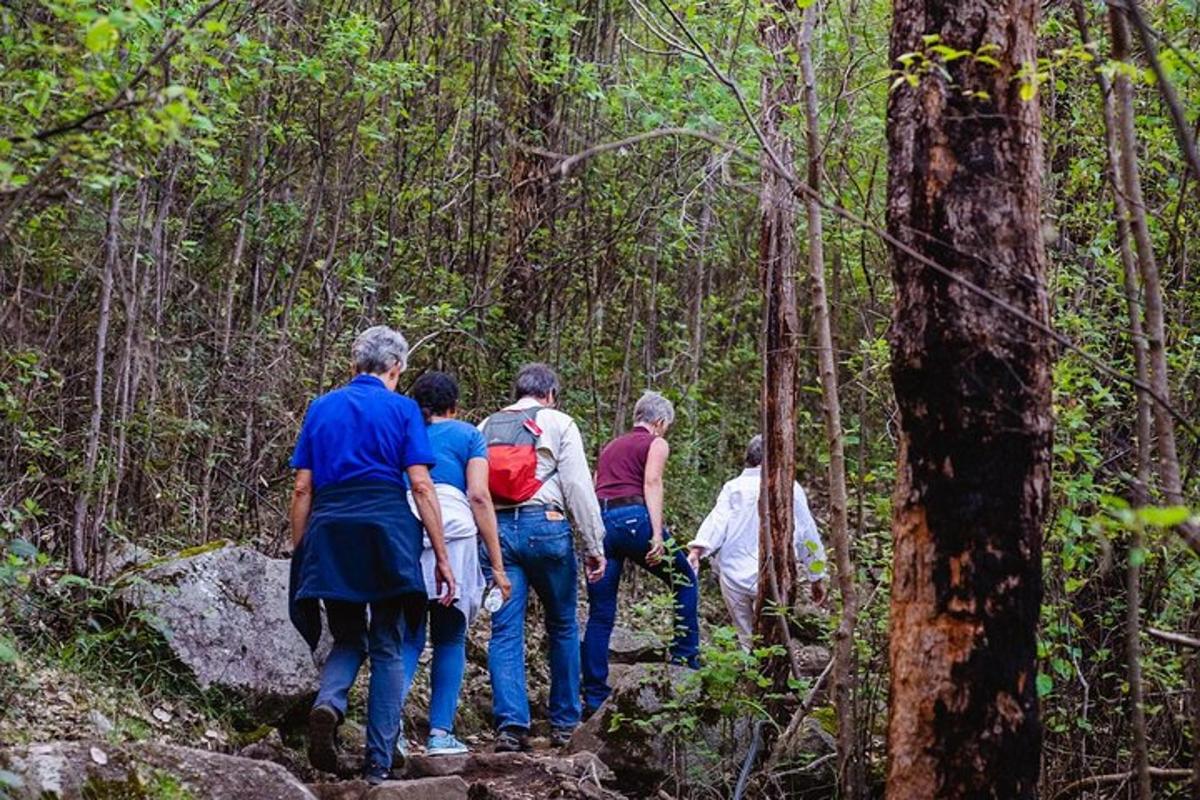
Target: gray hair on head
<point x="378" y="349"/>
<point x="652" y="407"/>
<point x="754" y="451"/>
<point x="535" y="380"/>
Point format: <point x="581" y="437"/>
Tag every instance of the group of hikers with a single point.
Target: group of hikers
<point x="406" y="520"/>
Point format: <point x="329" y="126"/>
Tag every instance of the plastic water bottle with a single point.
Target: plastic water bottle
<point x="493" y="598"/>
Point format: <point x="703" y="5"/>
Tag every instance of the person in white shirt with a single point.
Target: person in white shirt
<point x="730" y="535"/>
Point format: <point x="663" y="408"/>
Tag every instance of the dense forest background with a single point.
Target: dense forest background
<point x="202" y="202"/>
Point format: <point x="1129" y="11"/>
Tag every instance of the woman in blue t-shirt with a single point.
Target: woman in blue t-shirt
<point x="460" y="476"/>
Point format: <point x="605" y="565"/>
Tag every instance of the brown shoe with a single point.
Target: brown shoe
<point x="322" y="738"/>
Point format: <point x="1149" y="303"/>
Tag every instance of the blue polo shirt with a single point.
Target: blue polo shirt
<point x="362" y="432"/>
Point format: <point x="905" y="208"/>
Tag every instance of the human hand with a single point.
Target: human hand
<point x="594" y="567"/>
<point x="657" y="548"/>
<point x="444" y="578"/>
<point x="694" y="560"/>
<point x="502" y="583"/>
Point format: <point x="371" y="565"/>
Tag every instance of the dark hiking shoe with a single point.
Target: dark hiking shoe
<point x="561" y="737"/>
<point x="322" y="739"/>
<point x="376" y="776"/>
<point x="511" y="741"/>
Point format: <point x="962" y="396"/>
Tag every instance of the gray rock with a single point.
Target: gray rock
<point x="634" y="647"/>
<point x="223" y="612"/>
<point x="91" y="769"/>
<point x="341" y="790"/>
<point x="122" y="555"/>
<point x="101" y="724"/>
<point x="420" y="765"/>
<point x="448" y="788"/>
<point x="641" y="756"/>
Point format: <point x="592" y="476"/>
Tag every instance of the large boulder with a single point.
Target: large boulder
<point x="97" y="769"/>
<point x="656" y="727"/>
<point x="224" y="614"/>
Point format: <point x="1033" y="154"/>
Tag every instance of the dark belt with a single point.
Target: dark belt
<point x="621" y="502"/>
<point x="529" y="508"/>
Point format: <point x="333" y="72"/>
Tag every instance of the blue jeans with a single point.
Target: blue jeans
<point x="448" y="629"/>
<point x="353" y="641"/>
<point x="538" y="553"/>
<point x="627" y="534"/>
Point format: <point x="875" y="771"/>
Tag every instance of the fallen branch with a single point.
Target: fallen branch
<point x="1096" y="781"/>
<point x="1181" y="639"/>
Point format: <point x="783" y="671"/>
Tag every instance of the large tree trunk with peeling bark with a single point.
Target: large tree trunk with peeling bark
<point x="777" y="269"/>
<point x="972" y="384"/>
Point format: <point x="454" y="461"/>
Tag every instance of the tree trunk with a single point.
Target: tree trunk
<point x="1168" y="458"/>
<point x="851" y="766"/>
<point x="972" y="385"/>
<point x="1141" y="759"/>
<point x="80" y="546"/>
<point x="777" y="269"/>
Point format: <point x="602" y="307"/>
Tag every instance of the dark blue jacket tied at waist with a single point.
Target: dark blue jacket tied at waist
<point x="362" y="544"/>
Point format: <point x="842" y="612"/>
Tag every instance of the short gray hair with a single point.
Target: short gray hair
<point x="535" y="380"/>
<point x="378" y="349"/>
<point x="653" y="407"/>
<point x="754" y="451"/>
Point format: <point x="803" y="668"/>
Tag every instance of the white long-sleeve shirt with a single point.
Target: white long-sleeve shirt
<point x="730" y="533"/>
<point x="567" y="480"/>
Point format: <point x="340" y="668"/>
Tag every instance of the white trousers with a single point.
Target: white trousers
<point x="741" y="609"/>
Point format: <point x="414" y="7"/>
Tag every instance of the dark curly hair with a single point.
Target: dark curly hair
<point x="435" y="393"/>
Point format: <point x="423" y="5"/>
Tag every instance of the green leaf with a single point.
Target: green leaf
<point x="1164" y="516"/>
<point x="101" y="36"/>
<point x="8" y="653"/>
<point x="1028" y="90"/>
<point x="1045" y="684"/>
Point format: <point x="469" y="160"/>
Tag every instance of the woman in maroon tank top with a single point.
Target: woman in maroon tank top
<point x="629" y="485"/>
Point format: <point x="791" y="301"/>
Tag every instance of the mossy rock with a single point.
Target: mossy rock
<point x="97" y="770"/>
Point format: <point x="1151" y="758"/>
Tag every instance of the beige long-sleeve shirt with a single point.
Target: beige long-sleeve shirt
<point x="567" y="479"/>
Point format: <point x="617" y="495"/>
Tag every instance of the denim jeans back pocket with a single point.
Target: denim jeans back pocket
<point x="551" y="540"/>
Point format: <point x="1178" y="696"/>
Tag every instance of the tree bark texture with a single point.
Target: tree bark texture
<point x="777" y="268"/>
<point x="972" y="385"/>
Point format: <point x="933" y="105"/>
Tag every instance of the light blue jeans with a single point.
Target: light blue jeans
<point x="448" y="628"/>
<point x="538" y="554"/>
<point x="353" y="641"/>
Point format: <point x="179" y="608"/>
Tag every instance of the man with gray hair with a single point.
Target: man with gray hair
<point x="539" y="477"/>
<point x="357" y="545"/>
<point x="730" y="535"/>
<point x="629" y="483"/>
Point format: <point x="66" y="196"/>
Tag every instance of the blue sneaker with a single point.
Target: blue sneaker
<point x="446" y="745"/>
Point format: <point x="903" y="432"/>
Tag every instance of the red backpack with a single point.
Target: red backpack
<point x="512" y="438"/>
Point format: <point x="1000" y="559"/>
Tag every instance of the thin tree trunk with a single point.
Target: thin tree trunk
<point x="1168" y="458"/>
<point x="972" y="387"/>
<point x="81" y="549"/>
<point x="1141" y="759"/>
<point x="851" y="769"/>
<point x="777" y="265"/>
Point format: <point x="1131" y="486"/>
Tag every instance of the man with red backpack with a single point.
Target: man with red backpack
<point x="539" y="478"/>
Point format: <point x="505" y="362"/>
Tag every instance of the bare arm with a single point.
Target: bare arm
<point x="485" y="519"/>
<point x="301" y="505"/>
<point x="652" y="492"/>
<point x="430" y="511"/>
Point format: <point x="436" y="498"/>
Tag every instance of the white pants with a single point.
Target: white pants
<point x="741" y="609"/>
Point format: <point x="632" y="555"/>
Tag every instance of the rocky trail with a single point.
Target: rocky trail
<point x="221" y="614"/>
